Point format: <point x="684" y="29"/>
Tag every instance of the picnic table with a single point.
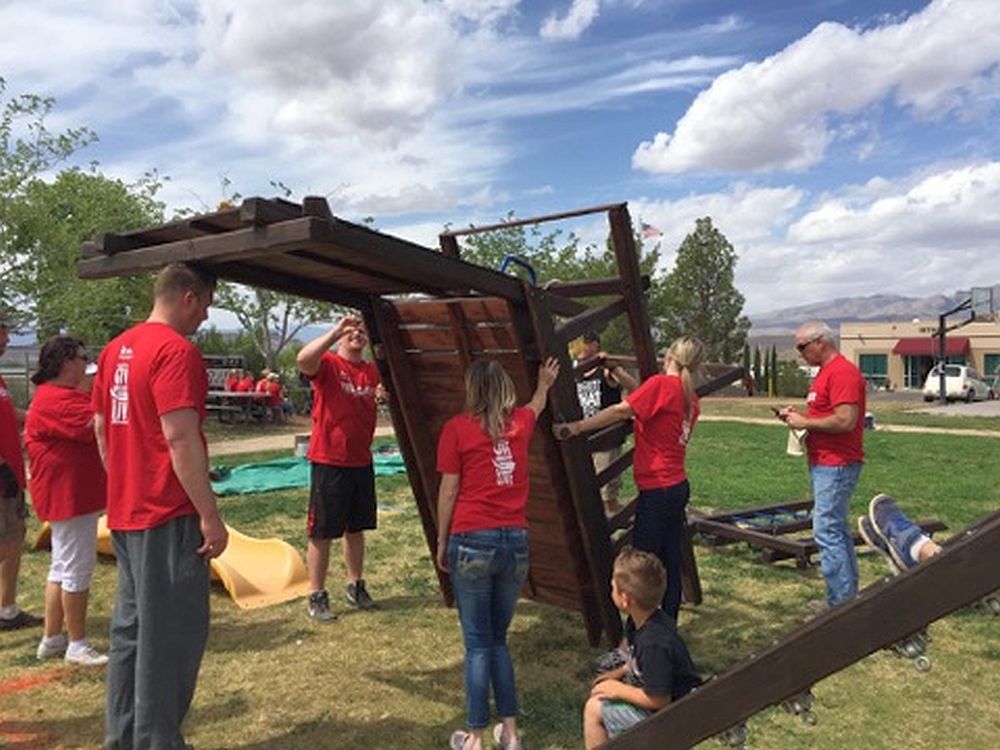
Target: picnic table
<point x="237" y="406"/>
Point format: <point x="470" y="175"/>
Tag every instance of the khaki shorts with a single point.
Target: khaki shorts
<point x="13" y="511"/>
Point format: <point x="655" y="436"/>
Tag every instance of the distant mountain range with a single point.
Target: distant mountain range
<point x="877" y="307"/>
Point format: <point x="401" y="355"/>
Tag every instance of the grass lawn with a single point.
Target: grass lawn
<point x="391" y="678"/>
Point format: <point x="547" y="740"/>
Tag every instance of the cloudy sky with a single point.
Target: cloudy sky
<point x="845" y="147"/>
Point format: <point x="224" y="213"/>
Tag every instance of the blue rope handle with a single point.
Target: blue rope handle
<point x="515" y="260"/>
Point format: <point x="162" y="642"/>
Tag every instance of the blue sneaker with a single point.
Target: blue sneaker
<point x="872" y="538"/>
<point x="897" y="531"/>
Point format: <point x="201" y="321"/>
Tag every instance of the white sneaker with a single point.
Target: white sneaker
<point x="87" y="657"/>
<point x="53" y="651"/>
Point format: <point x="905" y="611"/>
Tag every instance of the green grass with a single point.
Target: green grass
<point x="887" y="411"/>
<point x="392" y="678"/>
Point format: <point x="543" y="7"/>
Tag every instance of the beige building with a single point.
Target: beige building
<point x="901" y="354"/>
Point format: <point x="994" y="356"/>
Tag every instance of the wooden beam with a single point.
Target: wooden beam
<point x="615" y="468"/>
<point x="240" y="244"/>
<point x="579" y="465"/>
<point x="612" y="285"/>
<point x="623" y="242"/>
<point x="411" y="429"/>
<point x="262" y="211"/>
<point x="609" y="437"/>
<point x="532" y="220"/>
<point x="883" y="614"/>
<point x="737" y="373"/>
<point x="243" y="273"/>
<point x="592" y="319"/>
<point x="449" y="246"/>
<point x="316" y="205"/>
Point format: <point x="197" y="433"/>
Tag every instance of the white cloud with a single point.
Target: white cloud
<point x="775" y="114"/>
<point x="578" y="18"/>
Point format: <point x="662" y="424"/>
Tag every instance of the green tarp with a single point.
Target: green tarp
<point x="289" y="473"/>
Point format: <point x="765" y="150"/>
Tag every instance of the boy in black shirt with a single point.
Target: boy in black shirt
<point x="659" y="668"/>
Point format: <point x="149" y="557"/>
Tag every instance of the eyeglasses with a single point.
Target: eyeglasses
<point x="802" y="347"/>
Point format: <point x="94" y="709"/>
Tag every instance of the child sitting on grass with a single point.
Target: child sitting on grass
<point x="659" y="668"/>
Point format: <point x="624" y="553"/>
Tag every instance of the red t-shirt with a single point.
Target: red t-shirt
<point x="261" y="386"/>
<point x="244" y="386"/>
<point x="274" y="393"/>
<point x="343" y="412"/>
<point x="493" y="478"/>
<point x="67" y="476"/>
<point x="662" y="430"/>
<point x="10" y="435"/>
<point x="146" y="372"/>
<point x="231" y="383"/>
<point x="838" y="382"/>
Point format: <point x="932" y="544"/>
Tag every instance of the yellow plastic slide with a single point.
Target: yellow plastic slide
<point x="255" y="572"/>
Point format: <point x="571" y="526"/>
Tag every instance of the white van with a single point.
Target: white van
<point x="960" y="381"/>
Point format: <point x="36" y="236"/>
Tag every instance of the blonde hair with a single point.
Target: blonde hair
<point x="641" y="575"/>
<point x="689" y="355"/>
<point x="489" y="396"/>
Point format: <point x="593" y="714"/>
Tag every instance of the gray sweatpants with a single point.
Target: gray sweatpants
<point x="158" y="631"/>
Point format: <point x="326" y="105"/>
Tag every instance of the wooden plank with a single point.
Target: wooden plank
<point x="260" y="211"/>
<point x="477" y="339"/>
<point x="616" y="467"/>
<point x="316" y="205"/>
<point x="412" y="427"/>
<point x="584" y="492"/>
<point x="608" y="286"/>
<point x="737" y="373"/>
<point x="609" y="437"/>
<point x="280" y="282"/>
<point x="531" y="220"/>
<point x="461" y="334"/>
<point x="883" y="613"/>
<point x="594" y="318"/>
<point x="293" y="263"/>
<point x="449" y="246"/>
<point x="241" y="244"/>
<point x="627" y="256"/>
<point x="789" y="506"/>
<point x="490" y="310"/>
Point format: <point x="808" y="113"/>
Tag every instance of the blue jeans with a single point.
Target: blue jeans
<point x="832" y="487"/>
<point x="659" y="528"/>
<point x="488" y="569"/>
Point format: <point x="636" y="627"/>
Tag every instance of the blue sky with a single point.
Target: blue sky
<point x="844" y="147"/>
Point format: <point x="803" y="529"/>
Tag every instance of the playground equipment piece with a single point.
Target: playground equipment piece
<point x="769" y="528"/>
<point x="892" y="613"/>
<point x="429" y="315"/>
<point x="256" y="572"/>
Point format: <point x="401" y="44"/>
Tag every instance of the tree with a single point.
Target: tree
<point x="27" y="149"/>
<point x="271" y="320"/>
<point x="772" y="368"/>
<point x="793" y="381"/>
<point x="757" y="369"/>
<point x="46" y="226"/>
<point x="702" y="300"/>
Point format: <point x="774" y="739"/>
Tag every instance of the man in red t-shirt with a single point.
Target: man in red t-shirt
<point x="12" y="508"/>
<point x="834" y="422"/>
<point x="342" y="496"/>
<point x="149" y="404"/>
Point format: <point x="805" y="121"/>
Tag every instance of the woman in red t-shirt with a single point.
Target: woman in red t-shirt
<point x="664" y="410"/>
<point x="68" y="488"/>
<point x="482" y="540"/>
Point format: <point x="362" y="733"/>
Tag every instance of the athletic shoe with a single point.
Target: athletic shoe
<point x="86" y="657"/>
<point x="21" y="620"/>
<point x="54" y="651"/>
<point x="358" y="596"/>
<point x="610" y="660"/>
<point x="319" y="607"/>
<point x="897" y="531"/>
<point x="876" y="542"/>
<point x="457" y="740"/>
<point x="498" y="738"/>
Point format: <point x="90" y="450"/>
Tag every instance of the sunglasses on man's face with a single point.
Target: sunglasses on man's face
<point x="802" y="347"/>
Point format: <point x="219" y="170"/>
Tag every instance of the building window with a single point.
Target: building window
<point x="991" y="368"/>
<point x="875" y="368"/>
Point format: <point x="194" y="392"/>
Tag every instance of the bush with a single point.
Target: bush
<point x="793" y="381"/>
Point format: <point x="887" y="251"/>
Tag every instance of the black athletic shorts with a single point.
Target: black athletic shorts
<point x="341" y="498"/>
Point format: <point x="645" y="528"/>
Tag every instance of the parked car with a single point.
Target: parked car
<point x="960" y="381"/>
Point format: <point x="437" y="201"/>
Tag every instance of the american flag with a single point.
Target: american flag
<point x="649" y="231"/>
